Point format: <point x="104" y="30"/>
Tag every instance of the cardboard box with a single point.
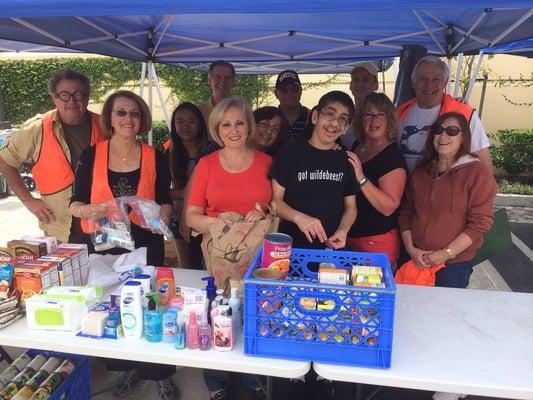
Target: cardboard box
<point x="6" y="256"/>
<point x="73" y="254"/>
<point x="33" y="276"/>
<point x="83" y="258"/>
<point x="64" y="268"/>
<point x="50" y="241"/>
<point x="24" y="251"/>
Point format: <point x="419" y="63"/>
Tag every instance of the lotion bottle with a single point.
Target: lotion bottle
<point x="223" y="331"/>
<point x="131" y="311"/>
<point x="152" y="322"/>
<point x="235" y="305"/>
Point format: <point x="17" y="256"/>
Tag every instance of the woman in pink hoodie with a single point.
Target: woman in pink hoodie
<point x="448" y="204"/>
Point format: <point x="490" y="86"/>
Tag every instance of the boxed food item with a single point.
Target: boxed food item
<point x="73" y="255"/>
<point x="50" y="241"/>
<point x="83" y="258"/>
<point x="64" y="267"/>
<point x="33" y="276"/>
<point x="6" y="256"/>
<point x="24" y="251"/>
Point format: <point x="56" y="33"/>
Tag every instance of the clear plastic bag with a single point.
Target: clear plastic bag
<point x="113" y="230"/>
<point x="148" y="215"/>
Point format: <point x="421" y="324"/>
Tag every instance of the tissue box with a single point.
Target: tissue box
<point x="46" y="312"/>
<point x="89" y="294"/>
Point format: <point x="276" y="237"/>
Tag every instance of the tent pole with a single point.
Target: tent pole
<point x="143" y="77"/>
<point x="483" y="92"/>
<point x="449" y="80"/>
<point x="150" y="105"/>
<point x="160" y="94"/>
<point x="458" y="74"/>
<point x="474" y="75"/>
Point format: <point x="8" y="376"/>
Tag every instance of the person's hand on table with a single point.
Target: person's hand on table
<point x="40" y="209"/>
<point x="311" y="227"/>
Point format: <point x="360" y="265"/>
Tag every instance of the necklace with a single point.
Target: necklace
<point x="123" y="156"/>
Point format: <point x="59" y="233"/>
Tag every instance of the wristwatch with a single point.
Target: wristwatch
<point x="450" y="253"/>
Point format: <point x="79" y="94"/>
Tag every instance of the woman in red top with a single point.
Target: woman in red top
<point x="233" y="178"/>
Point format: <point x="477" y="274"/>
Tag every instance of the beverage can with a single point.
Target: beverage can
<point x="277" y="249"/>
<point x="10" y="372"/>
<point x="41" y="394"/>
<point x="24" y="394"/>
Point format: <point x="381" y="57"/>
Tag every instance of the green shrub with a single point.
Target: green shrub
<point x="515" y="151"/>
<point x="160" y="135"/>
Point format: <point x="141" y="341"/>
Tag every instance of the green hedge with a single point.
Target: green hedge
<point x="24" y="83"/>
<point x="160" y="134"/>
<point x="515" y="151"/>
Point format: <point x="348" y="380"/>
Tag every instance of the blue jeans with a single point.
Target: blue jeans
<point x="455" y="275"/>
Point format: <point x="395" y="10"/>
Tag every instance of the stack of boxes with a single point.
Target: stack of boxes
<point x="41" y="263"/>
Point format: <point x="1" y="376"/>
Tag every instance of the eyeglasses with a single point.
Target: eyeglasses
<point x="450" y="130"/>
<point x="66" y="96"/>
<point x="372" y="116"/>
<point x="331" y="116"/>
<point x="123" y="113"/>
<point x="269" y="128"/>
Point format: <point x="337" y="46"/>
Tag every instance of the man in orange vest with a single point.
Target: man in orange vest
<point x="430" y="77"/>
<point x="53" y="142"/>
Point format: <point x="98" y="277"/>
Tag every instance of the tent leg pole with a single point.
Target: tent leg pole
<point x="143" y="77"/>
<point x="483" y="92"/>
<point x="160" y="95"/>
<point x="150" y="105"/>
<point x="474" y="76"/>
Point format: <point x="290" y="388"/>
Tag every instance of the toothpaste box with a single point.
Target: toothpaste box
<point x="24" y="251"/>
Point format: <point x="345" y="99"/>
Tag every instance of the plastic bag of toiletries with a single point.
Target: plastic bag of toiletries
<point x="147" y="212"/>
<point x="113" y="230"/>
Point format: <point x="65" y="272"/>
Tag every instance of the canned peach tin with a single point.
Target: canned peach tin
<point x="277" y="252"/>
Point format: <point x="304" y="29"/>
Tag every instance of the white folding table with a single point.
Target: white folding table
<point x="476" y="342"/>
<point x="18" y="335"/>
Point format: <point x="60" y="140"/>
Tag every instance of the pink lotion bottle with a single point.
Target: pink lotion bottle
<point x="193" y="334"/>
<point x="223" y="330"/>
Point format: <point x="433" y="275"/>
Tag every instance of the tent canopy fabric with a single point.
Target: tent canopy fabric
<point x="311" y="36"/>
<point x="519" y="48"/>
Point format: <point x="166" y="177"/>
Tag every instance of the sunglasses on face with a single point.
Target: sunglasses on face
<point x="66" y="96"/>
<point x="123" y="113"/>
<point x="450" y="130"/>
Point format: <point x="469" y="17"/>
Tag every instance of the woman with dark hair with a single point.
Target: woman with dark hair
<point x="271" y="129"/>
<point x="123" y="166"/>
<point x="314" y="185"/>
<point x="188" y="136"/>
<point x="448" y="204"/>
<point x="380" y="172"/>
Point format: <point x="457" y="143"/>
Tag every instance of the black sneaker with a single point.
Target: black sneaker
<point x="127" y="383"/>
<point x="218" y="395"/>
<point x="167" y="390"/>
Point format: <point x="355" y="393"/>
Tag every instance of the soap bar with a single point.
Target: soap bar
<point x="93" y="323"/>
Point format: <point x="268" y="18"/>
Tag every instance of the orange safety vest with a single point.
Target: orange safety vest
<point x="449" y="104"/>
<point x="100" y="190"/>
<point x="52" y="172"/>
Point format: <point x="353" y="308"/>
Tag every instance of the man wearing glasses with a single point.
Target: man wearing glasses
<point x="53" y="142"/>
<point x="430" y="77"/>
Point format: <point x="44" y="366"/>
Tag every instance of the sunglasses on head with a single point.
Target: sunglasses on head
<point x="450" y="130"/>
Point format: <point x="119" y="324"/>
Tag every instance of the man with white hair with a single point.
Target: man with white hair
<point x="416" y="116"/>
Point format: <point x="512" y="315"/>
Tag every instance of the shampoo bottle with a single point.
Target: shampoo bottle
<point x="131" y="311"/>
<point x="152" y="322"/>
<point x="166" y="287"/>
<point x="192" y="335"/>
<point x="180" y="331"/>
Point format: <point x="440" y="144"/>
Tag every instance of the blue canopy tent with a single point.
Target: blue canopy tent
<point x="522" y="48"/>
<point x="311" y="36"/>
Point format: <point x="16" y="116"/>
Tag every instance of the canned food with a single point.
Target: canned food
<point x="277" y="249"/>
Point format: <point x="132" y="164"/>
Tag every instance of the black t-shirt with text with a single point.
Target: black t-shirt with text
<point x="316" y="183"/>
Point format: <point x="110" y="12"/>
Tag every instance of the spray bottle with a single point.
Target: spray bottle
<point x="180" y="331"/>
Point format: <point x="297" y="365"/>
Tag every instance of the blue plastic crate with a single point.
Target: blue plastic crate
<point x="78" y="384"/>
<point x="353" y="325"/>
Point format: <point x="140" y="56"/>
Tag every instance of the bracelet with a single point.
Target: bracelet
<point x="450" y="253"/>
<point x="362" y="182"/>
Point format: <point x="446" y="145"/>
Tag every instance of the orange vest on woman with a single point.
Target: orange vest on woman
<point x="449" y="104"/>
<point x="100" y="190"/>
<point x="52" y="172"/>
